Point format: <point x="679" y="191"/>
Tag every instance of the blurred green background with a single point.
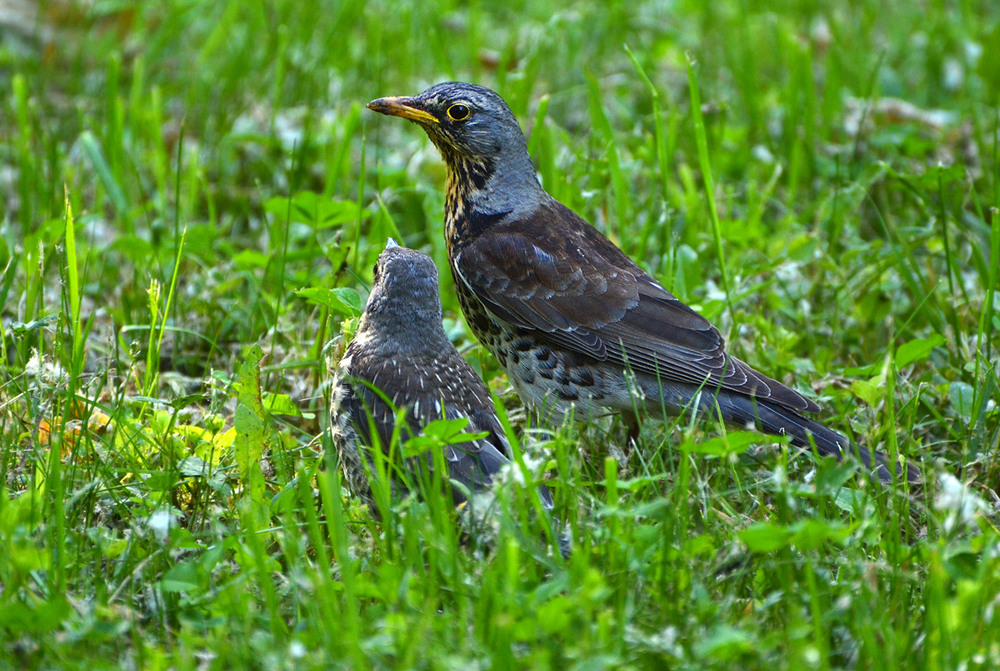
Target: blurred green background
<point x="182" y="179"/>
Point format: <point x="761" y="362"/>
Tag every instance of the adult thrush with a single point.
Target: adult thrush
<point x="401" y="349"/>
<point x="572" y="319"/>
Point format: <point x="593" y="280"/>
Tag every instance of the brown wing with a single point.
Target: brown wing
<point x="556" y="275"/>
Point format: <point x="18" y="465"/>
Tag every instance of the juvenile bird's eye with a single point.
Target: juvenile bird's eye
<point x="459" y="112"/>
<point x="375" y="273"/>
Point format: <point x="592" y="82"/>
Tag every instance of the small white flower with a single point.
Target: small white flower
<point x="961" y="504"/>
<point x="160" y="523"/>
<point x="762" y="154"/>
<point x="296" y="650"/>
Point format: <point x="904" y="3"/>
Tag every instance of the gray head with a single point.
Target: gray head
<point x="463" y="120"/>
<point x="404" y="302"/>
<point x="475" y="131"/>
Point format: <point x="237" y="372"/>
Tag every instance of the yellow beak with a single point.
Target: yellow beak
<point x="402" y="107"/>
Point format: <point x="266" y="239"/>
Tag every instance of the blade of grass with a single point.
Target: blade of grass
<point x="72" y="272"/>
<point x="660" y="142"/>
<point x="619" y="187"/>
<point x="706" y="173"/>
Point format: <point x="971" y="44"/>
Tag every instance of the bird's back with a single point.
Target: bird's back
<point x="424" y="386"/>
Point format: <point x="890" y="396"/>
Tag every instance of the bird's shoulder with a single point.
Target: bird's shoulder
<point x="428" y="385"/>
<point x="554" y="274"/>
<point x="552" y="270"/>
<point x="407" y="376"/>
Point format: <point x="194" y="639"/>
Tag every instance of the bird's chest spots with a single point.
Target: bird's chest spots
<point x="552" y="381"/>
<point x="486" y="329"/>
<point x="549" y="379"/>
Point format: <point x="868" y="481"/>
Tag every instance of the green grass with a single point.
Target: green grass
<point x="192" y="197"/>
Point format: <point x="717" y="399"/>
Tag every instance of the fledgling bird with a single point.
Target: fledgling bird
<point x="401" y="349"/>
<point x="572" y="319"/>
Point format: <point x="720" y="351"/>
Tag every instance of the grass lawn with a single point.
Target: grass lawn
<point x="192" y="197"/>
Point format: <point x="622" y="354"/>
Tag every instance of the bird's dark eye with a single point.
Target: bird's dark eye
<point x="375" y="273"/>
<point x="459" y="112"/>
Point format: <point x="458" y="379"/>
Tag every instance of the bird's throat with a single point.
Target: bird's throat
<point x="467" y="186"/>
<point x="483" y="191"/>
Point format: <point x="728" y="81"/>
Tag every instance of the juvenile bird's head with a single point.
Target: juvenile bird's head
<point x="404" y="303"/>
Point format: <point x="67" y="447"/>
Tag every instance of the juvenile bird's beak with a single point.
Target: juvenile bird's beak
<point x="408" y="108"/>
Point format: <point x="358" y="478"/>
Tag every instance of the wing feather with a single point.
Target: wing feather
<point x="577" y="291"/>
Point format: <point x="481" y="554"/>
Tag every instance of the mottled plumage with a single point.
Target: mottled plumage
<point x="401" y="349"/>
<point x="563" y="309"/>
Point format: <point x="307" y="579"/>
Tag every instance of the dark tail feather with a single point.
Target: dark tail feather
<point x="742" y="410"/>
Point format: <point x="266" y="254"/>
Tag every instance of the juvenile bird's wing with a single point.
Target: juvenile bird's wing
<point x="423" y="388"/>
<point x="559" y="277"/>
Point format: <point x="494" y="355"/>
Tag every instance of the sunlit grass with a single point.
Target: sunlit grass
<point x="183" y="182"/>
